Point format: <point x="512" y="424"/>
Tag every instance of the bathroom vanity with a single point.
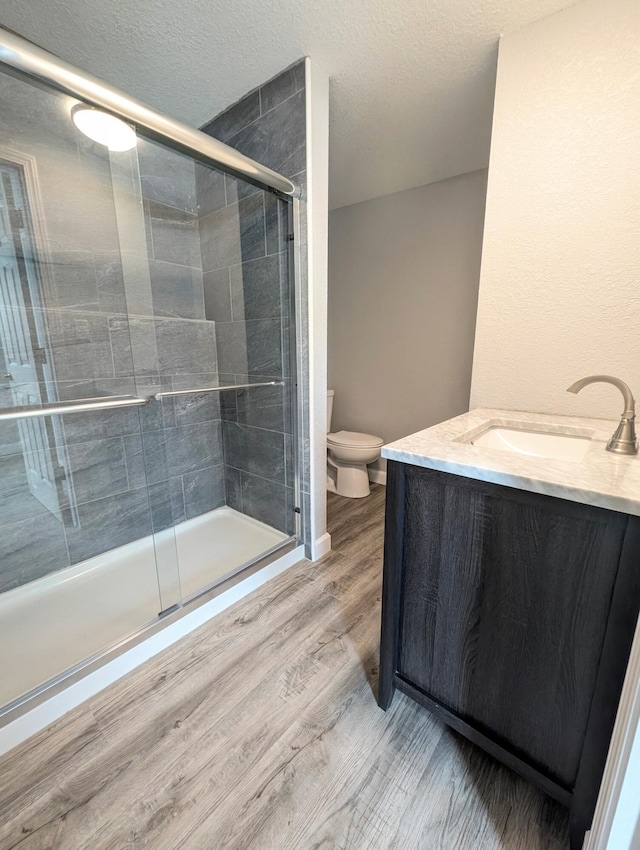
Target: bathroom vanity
<point x="512" y="589"/>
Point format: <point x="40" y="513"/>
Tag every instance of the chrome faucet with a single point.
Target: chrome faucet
<point x="624" y="440"/>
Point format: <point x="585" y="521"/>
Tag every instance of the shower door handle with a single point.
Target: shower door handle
<point x="77" y="406"/>
<point x="199" y="390"/>
<point x="84" y="405"/>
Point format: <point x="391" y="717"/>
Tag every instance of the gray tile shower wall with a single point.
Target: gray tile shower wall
<point x="187" y="452"/>
<point x="244" y="260"/>
<point x="156" y="273"/>
<point x="179" y="449"/>
<point x="123" y="473"/>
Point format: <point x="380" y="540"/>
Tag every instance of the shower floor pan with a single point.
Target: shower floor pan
<point x="54" y="623"/>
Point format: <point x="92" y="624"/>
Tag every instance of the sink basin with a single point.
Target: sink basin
<point x="532" y="443"/>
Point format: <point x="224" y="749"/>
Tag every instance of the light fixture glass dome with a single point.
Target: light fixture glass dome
<point x="104" y="128"/>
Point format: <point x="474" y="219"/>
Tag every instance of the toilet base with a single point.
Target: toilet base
<point x="351" y="479"/>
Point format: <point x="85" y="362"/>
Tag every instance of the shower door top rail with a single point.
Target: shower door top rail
<point x="65" y="407"/>
<point x="37" y="62"/>
<point x="198" y="390"/>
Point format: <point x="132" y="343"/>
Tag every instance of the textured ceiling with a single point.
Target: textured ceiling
<point x="411" y="80"/>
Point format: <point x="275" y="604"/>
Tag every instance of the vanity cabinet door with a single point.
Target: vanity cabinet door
<point x="504" y="598"/>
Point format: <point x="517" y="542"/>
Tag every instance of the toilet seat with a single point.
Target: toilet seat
<point x="355" y="439"/>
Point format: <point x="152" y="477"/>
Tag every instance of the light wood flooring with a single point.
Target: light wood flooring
<point x="261" y="730"/>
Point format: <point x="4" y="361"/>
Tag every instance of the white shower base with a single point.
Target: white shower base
<point x="54" y="623"/>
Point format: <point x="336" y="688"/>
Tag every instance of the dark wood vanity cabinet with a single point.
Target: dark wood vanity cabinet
<point x="510" y="615"/>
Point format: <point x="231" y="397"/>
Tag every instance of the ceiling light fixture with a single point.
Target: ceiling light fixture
<point x="104" y="128"/>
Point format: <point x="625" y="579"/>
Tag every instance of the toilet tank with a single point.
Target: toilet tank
<point x="330" y="395"/>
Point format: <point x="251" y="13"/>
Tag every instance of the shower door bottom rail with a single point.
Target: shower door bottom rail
<point x="52" y="687"/>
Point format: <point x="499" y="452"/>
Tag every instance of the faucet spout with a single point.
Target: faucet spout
<point x="624" y="440"/>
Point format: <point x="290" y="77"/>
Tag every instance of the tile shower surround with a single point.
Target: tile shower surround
<point x="245" y="275"/>
<point x="138" y="471"/>
<point x="134" y="470"/>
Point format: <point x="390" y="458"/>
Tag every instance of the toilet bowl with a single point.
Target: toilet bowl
<point x="348" y="453"/>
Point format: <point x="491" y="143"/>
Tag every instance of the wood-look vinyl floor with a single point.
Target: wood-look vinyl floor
<point x="261" y="730"/>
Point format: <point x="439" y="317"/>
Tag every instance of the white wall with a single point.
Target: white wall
<point x="616" y="822"/>
<point x="560" y="279"/>
<point x="403" y="284"/>
<point x="317" y="116"/>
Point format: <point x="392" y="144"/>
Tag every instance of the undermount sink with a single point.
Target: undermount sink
<point x="531" y="443"/>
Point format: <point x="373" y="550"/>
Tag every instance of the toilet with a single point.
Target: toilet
<point x="348" y="453"/>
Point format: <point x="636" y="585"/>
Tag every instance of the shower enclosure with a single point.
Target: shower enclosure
<point x="148" y="437"/>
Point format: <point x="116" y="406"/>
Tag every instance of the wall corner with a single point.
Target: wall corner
<point x="317" y="131"/>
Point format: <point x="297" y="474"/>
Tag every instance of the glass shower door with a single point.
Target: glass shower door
<point x="147" y="386"/>
<point x="219" y="254"/>
<point x="77" y="509"/>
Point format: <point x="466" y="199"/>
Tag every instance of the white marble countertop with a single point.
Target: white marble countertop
<point x="601" y="478"/>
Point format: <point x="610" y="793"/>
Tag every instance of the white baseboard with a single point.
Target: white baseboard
<point x="378" y="476"/>
<point x="47" y="712"/>
<point x="321" y="546"/>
